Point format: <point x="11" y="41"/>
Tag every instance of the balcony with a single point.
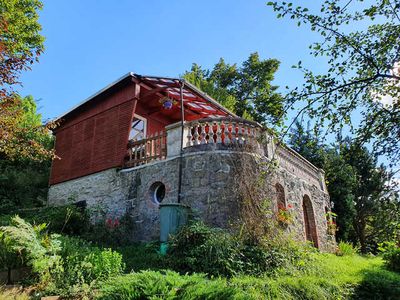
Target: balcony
<point x="221" y="134"/>
<point x="200" y="135"/>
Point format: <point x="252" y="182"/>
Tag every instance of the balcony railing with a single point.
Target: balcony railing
<point x="211" y="134"/>
<point x="227" y="131"/>
<point x="144" y="151"/>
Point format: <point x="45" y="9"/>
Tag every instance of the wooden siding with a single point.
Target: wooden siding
<point x="94" y="138"/>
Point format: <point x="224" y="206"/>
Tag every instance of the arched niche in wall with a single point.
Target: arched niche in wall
<point x="310" y="226"/>
<point x="280" y="195"/>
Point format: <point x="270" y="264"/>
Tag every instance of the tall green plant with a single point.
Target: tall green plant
<point x="39" y="248"/>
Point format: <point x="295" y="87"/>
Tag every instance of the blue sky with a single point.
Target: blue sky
<point x="91" y="43"/>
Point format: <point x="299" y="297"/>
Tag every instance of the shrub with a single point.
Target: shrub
<point x="9" y="258"/>
<point x="142" y="256"/>
<point x="391" y="255"/>
<point x="63" y="264"/>
<point x="110" y="231"/>
<point x="67" y="219"/>
<point x="83" y="265"/>
<point x="345" y="248"/>
<point x="39" y="249"/>
<point x="198" y="248"/>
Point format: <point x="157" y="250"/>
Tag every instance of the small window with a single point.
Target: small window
<point x="157" y="192"/>
<point x="138" y="129"/>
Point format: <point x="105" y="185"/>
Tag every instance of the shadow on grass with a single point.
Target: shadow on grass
<point x="378" y="284"/>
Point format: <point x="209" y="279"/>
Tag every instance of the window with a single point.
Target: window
<point x="138" y="129"/>
<point x="157" y="192"/>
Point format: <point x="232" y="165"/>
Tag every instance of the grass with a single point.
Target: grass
<point x="328" y="277"/>
<point x="13" y="293"/>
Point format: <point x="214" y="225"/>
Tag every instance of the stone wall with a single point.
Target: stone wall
<point x="208" y="186"/>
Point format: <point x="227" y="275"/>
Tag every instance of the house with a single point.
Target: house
<point x="146" y="140"/>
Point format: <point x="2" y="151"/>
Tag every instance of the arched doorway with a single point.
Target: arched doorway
<point x="309" y="221"/>
<point x="280" y="196"/>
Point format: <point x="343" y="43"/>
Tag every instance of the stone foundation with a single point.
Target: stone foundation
<point x="208" y="187"/>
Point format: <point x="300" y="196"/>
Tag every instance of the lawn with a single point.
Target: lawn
<point x="329" y="277"/>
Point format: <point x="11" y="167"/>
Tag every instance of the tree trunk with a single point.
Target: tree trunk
<point x="9" y="280"/>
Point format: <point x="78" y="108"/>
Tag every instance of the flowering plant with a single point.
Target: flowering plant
<point x="332" y="227"/>
<point x="284" y="216"/>
<point x="112" y="223"/>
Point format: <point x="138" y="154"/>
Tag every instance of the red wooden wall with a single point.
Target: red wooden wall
<point x="94" y="137"/>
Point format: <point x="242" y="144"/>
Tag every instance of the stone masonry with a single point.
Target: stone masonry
<point x="208" y="187"/>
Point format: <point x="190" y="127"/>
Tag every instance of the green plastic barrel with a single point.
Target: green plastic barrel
<point x="172" y="217"/>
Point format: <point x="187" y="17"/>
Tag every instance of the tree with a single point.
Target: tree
<point x="366" y="203"/>
<point x="247" y="90"/>
<point x="372" y="194"/>
<point x="20" y="46"/>
<point x="24" y="181"/>
<point x="360" y="42"/>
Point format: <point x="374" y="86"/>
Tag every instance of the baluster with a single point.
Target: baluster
<point x="245" y="133"/>
<point x="233" y="138"/>
<point x="159" y="153"/>
<point x="130" y="152"/>
<point x="218" y="133"/>
<point x="250" y="136"/>
<point x="164" y="144"/>
<point x="227" y="139"/>
<point x="138" y="150"/>
<point x="240" y="133"/>
<point x="203" y="133"/>
<point x="211" y="133"/>
<point x="196" y="134"/>
<point x="189" y="136"/>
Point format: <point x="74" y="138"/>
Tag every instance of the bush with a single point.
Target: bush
<point x="67" y="219"/>
<point x="84" y="263"/>
<point x="110" y="231"/>
<point x="198" y="248"/>
<point x="37" y="247"/>
<point x="345" y="249"/>
<point x="63" y="264"/>
<point x="391" y="255"/>
<point x="143" y="256"/>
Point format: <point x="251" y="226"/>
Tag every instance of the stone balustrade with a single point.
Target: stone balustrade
<point x="233" y="134"/>
<point x="227" y="131"/>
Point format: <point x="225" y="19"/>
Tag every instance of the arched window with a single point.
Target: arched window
<point x="310" y="227"/>
<point x="280" y="196"/>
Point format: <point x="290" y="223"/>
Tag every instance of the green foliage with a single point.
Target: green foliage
<point x="20" y="46"/>
<point x="345" y="249"/>
<point x="143" y="256"/>
<point x="9" y="258"/>
<point x="391" y="255"/>
<point x="109" y="231"/>
<point x="84" y="264"/>
<point x="329" y="277"/>
<point x="67" y="219"/>
<point x="63" y="265"/>
<point x="38" y="248"/>
<point x="247" y="90"/>
<point x="198" y="248"/>
<point x="358" y="42"/>
<point x="365" y="201"/>
<point x="24" y="179"/>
